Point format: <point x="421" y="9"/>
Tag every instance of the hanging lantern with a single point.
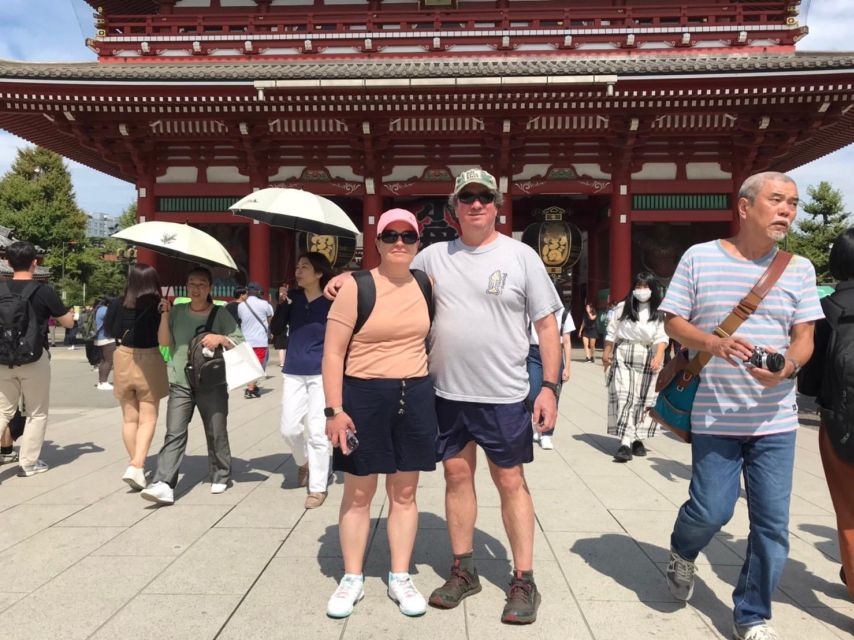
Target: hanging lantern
<point x="338" y="250"/>
<point x="557" y="241"/>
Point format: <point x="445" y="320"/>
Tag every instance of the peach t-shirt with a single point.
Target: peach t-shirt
<point x="391" y="342"/>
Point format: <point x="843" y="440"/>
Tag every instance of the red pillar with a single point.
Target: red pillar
<point x="145" y="209"/>
<point x="372" y="208"/>
<point x="593" y="275"/>
<point x="620" y="230"/>
<point x="259" y="244"/>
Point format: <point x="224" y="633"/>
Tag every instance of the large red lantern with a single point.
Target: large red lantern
<point x="557" y="242"/>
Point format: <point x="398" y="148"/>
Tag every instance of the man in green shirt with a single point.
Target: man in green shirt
<point x="178" y="326"/>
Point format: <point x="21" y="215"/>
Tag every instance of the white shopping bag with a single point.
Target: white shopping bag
<point x="241" y="366"/>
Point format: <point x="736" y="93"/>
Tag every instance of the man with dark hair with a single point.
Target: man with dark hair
<point x="254" y="315"/>
<point x="239" y="296"/>
<point x="28" y="382"/>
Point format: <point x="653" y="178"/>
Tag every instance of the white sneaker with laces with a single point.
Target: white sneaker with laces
<point x="105" y="386"/>
<point x="546" y="442"/>
<point x="158" y="492"/>
<point x="761" y="631"/>
<point x="135" y="478"/>
<point x="218" y="487"/>
<point x="404" y="593"/>
<point x="39" y="467"/>
<point x="350" y="590"/>
<point x="8" y="457"/>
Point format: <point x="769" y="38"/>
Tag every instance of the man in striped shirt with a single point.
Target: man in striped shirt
<point x="744" y="418"/>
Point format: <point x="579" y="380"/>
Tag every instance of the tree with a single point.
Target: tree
<point x="37" y="201"/>
<point x="813" y="236"/>
<point x="128" y="217"/>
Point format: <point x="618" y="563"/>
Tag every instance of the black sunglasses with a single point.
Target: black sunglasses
<point x="390" y="237"/>
<point x="467" y="197"/>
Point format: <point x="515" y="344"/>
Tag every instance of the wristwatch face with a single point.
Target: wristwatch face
<point x="329" y="412"/>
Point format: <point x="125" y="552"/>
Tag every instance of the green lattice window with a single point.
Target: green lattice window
<point x="683" y="201"/>
<point x="196" y="204"/>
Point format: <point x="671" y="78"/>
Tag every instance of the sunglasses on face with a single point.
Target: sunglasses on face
<point x="390" y="237"/>
<point x="467" y="197"/>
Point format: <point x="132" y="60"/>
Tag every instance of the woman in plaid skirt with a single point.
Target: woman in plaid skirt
<point x="634" y="350"/>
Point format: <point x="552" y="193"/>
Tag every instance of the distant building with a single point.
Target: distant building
<point x="101" y="225"/>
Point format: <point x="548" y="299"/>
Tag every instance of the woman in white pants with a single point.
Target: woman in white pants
<point x="303" y="424"/>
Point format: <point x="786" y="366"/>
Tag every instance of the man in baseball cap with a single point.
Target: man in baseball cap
<point x="475" y="177"/>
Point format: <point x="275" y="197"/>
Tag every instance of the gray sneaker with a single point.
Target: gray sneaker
<point x="680" y="577"/>
<point x="761" y="631"/>
<point x="8" y="457"/>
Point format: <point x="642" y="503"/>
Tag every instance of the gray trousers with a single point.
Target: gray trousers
<point x="213" y="408"/>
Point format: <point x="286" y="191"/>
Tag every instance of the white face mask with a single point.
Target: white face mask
<point x="642" y="295"/>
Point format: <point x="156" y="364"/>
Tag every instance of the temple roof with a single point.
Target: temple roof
<point x="431" y="67"/>
<point x="125" y="7"/>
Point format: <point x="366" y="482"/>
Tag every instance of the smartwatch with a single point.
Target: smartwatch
<point x="331" y="412"/>
<point x="550" y="385"/>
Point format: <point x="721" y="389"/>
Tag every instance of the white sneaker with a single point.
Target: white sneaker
<point x="404" y="593"/>
<point x="159" y="492"/>
<point x="546" y="442"/>
<point x="350" y="590"/>
<point x="39" y="467"/>
<point x="762" y="631"/>
<point x="135" y="477"/>
<point x="105" y="386"/>
<point x="218" y="487"/>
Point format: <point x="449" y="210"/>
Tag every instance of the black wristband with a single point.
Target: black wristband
<point x="550" y="385"/>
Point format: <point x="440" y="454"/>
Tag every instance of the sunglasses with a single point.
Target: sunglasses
<point x="467" y="197"/>
<point x="390" y="237"/>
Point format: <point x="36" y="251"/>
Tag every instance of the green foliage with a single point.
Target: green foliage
<point x="37" y="200"/>
<point x="128" y="217"/>
<point x="813" y="236"/>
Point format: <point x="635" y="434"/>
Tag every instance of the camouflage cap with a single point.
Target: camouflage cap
<point x="475" y="176"/>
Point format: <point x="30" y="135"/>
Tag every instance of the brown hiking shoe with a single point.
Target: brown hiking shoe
<point x="302" y="475"/>
<point x="461" y="584"/>
<point x="523" y="600"/>
<point x="314" y="500"/>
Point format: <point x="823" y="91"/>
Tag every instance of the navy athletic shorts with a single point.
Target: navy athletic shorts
<point x="395" y="423"/>
<point x="503" y="431"/>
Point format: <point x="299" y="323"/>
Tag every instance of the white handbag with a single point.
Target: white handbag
<point x="241" y="365"/>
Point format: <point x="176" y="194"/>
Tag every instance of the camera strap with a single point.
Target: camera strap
<point x="746" y="306"/>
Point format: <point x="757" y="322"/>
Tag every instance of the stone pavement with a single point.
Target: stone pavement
<point x="81" y="556"/>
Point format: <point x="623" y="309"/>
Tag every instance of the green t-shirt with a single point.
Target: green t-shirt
<point x="182" y="327"/>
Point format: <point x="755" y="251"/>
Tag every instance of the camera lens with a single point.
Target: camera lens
<point x="774" y="362"/>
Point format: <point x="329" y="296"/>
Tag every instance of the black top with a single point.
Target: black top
<point x="809" y="379"/>
<point x="46" y="304"/>
<point x="135" y="328"/>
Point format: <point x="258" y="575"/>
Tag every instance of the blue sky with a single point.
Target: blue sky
<point x="26" y="34"/>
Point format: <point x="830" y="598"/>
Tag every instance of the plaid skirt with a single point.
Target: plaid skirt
<point x="631" y="389"/>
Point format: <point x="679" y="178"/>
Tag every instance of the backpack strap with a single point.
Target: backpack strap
<point x="257" y="317"/>
<point x="426" y="286"/>
<point x="209" y="322"/>
<point x="366" y="298"/>
<point x="29" y="289"/>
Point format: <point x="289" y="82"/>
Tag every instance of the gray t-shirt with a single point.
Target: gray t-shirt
<point x="484" y="297"/>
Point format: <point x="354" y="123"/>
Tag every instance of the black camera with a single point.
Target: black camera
<point x="762" y="359"/>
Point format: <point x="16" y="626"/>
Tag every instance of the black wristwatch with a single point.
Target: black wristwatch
<point x="550" y="385"/>
<point x="331" y="412"/>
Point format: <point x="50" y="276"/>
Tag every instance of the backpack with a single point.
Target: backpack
<point x="20" y="339"/>
<point x="87" y="330"/>
<point x="366" y="295"/>
<point x="838" y="380"/>
<point x="204" y="371"/>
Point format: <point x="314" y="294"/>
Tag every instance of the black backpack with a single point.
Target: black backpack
<point x="837" y="380"/>
<point x="20" y="339"/>
<point x="88" y="328"/>
<point x="204" y="371"/>
<point x="366" y="295"/>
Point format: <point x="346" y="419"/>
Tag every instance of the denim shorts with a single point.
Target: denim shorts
<point x="503" y="431"/>
<point x="395" y="423"/>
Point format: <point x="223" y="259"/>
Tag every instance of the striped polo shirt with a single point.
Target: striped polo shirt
<point x="707" y="284"/>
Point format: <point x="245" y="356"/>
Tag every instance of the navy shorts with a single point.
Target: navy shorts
<point x="395" y="423"/>
<point x="503" y="431"/>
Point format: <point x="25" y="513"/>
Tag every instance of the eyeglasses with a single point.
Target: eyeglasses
<point x="467" y="197"/>
<point x="390" y="237"/>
